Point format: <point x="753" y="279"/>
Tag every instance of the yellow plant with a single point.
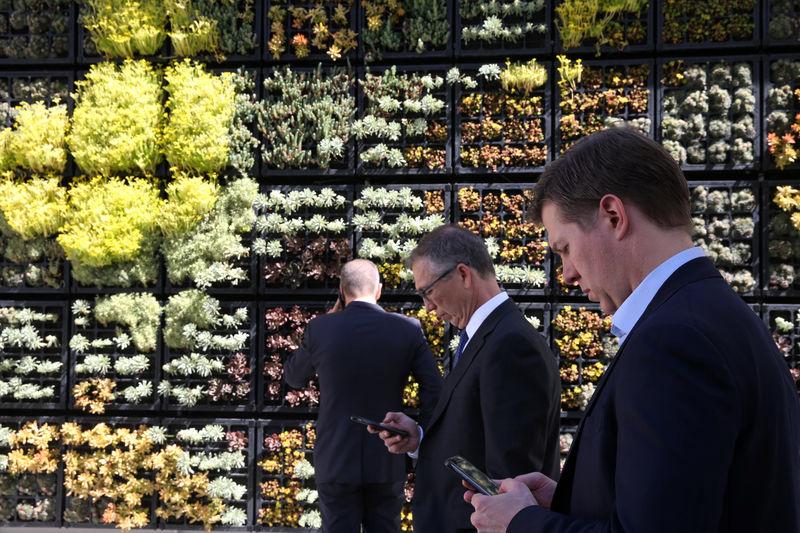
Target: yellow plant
<point x="33" y="208"/>
<point x="117" y="120"/>
<point x="189" y="199"/>
<point x="788" y="199"/>
<point x="122" y="28"/>
<point x="109" y="220"/>
<point x="37" y="140"/>
<point x="523" y="77"/>
<point x="570" y="73"/>
<point x="201" y="106"/>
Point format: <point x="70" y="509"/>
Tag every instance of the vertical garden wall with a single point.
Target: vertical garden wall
<point x="181" y="181"/>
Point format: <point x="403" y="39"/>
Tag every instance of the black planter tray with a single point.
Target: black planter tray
<point x="644" y="19"/>
<point x="626" y="114"/>
<point x="30" y="489"/>
<point x="584" y="360"/>
<point x="707" y="63"/>
<point x="529" y="43"/>
<point x="787" y="341"/>
<point x="778" y="244"/>
<point x="407" y="47"/>
<point x="91" y="511"/>
<point x="50" y="45"/>
<point x="392" y="283"/>
<point x="88" y="54"/>
<point x="242" y="476"/>
<point x="729" y="215"/>
<point x="498" y="114"/>
<point x="474" y="214"/>
<point x="41" y="277"/>
<point x="53" y="354"/>
<point x="94" y="330"/>
<point x="283" y="474"/>
<point x="443" y="148"/>
<point x="315" y="55"/>
<point x="777" y="25"/>
<point x="275" y="346"/>
<point x="292" y="268"/>
<point x="341" y="167"/>
<point x="205" y="404"/>
<point x="772" y="79"/>
<point x="707" y="24"/>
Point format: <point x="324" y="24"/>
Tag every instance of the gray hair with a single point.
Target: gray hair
<point x="449" y="245"/>
<point x="360" y="277"/>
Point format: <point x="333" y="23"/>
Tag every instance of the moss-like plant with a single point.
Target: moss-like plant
<point x="116" y="123"/>
<point x="201" y="107"/>
<point x="37" y="141"/>
<point x="141" y="313"/>
<point x="208" y="252"/>
<point x="124" y="28"/>
<point x="111" y="234"/>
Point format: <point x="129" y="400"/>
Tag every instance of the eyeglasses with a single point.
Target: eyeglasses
<point x="423" y="293"/>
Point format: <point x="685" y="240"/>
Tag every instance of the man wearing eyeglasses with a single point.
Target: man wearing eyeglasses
<point x="499" y="407"/>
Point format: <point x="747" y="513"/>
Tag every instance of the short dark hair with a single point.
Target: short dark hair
<point x="449" y="245"/>
<point x="618" y="161"/>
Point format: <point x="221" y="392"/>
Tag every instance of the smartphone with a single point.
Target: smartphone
<point x="341" y="298"/>
<point x="479" y="481"/>
<point x="367" y="422"/>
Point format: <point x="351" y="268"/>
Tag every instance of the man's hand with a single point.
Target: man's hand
<point x="394" y="442"/>
<point x="494" y="513"/>
<point x="336" y="307"/>
<point x="541" y="486"/>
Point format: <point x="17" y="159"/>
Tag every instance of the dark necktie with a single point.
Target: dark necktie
<point x="462" y="341"/>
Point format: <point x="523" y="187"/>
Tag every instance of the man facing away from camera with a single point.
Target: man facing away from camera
<point x="499" y="407"/>
<point x="695" y="426"/>
<point x="363" y="356"/>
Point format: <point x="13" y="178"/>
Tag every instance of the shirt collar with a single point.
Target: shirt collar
<point x="482" y="312"/>
<point x="634" y="305"/>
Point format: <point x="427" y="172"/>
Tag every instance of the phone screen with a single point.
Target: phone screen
<point x="472" y="475"/>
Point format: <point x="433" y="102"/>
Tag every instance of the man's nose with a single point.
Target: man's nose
<point x="569" y="273"/>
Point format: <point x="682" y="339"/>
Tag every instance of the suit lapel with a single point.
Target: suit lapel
<point x="692" y="271"/>
<point x="474" y="346"/>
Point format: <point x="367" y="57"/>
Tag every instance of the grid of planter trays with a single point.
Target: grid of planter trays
<point x="161" y="260"/>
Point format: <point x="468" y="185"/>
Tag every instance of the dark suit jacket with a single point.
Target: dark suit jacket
<point x="694" y="427"/>
<point x="363" y="356"/>
<point x="499" y="408"/>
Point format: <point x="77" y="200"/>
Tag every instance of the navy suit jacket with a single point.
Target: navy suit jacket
<point x="499" y="409"/>
<point x="695" y="426"/>
<point x="363" y="356"/>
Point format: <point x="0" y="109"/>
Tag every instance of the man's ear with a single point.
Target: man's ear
<point x="613" y="213"/>
<point x="465" y="274"/>
<point x="378" y="292"/>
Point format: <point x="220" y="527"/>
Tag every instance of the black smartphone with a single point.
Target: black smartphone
<point x="479" y="481"/>
<point x="341" y="298"/>
<point x="367" y="422"/>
